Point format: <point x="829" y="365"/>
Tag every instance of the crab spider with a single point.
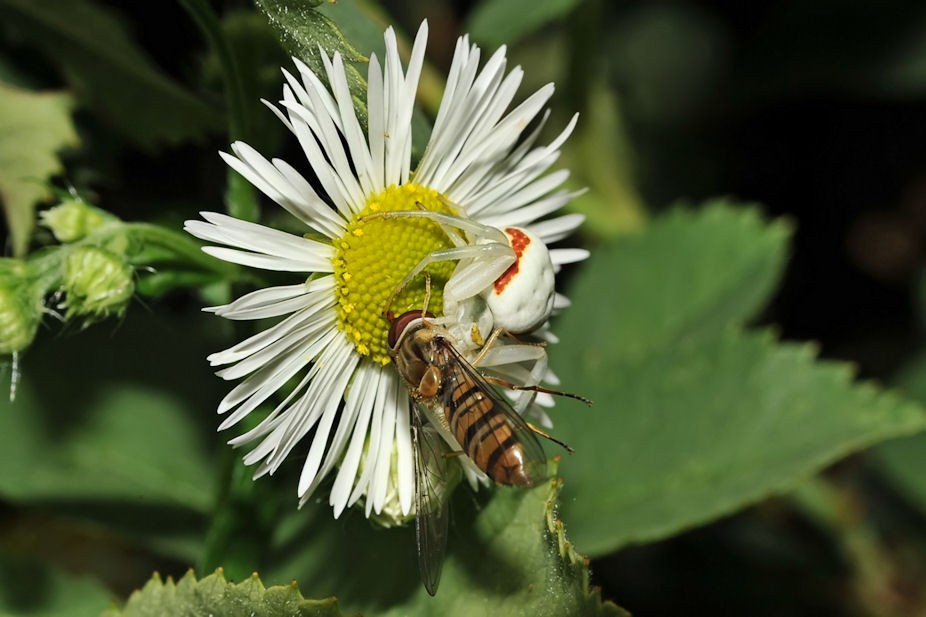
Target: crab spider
<point x="510" y="270"/>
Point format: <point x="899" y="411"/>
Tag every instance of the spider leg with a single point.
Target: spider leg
<point x="471" y="251"/>
<point x="457" y="222"/>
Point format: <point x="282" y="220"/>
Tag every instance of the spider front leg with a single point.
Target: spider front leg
<point x="510" y="269"/>
<point x="480" y="261"/>
<point x="486" y="262"/>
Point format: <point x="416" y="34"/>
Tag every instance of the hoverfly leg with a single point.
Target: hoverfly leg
<point x="485" y="348"/>
<point x="427" y="294"/>
<point x="451" y="254"/>
<point x="510" y="386"/>
<point x="543" y="433"/>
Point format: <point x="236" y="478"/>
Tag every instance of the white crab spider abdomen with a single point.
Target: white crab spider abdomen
<point x="521" y="299"/>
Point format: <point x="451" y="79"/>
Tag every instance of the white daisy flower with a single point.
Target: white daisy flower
<point x="481" y="173"/>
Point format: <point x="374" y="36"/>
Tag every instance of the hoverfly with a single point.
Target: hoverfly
<point x="455" y="398"/>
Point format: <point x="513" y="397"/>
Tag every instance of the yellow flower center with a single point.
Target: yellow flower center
<point x="373" y="257"/>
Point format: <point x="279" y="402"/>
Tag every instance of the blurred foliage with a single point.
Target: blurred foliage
<point x="62" y="594"/>
<point x="34" y="127"/>
<point x="109" y="71"/>
<point x="721" y="456"/>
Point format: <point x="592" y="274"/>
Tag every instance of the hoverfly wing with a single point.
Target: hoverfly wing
<point x="500" y="442"/>
<point x="431" y="511"/>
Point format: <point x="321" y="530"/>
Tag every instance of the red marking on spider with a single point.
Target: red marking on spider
<point x="519" y="242"/>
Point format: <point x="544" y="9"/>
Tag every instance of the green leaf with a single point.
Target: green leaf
<point x="31" y="589"/>
<point x="102" y="416"/>
<point x="507" y="555"/>
<point x="303" y="30"/>
<point x="694" y="418"/>
<point x="362" y="23"/>
<point x="691" y="275"/>
<point x="33" y="127"/>
<point x="214" y="595"/>
<point x="904" y="460"/>
<point x="109" y="71"/>
<point x="501" y="22"/>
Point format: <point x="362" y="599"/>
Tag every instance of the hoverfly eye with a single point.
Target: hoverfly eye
<point x="400" y="323"/>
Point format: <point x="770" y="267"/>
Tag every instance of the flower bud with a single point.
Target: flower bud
<point x="20" y="306"/>
<point x="72" y="220"/>
<point x="98" y="283"/>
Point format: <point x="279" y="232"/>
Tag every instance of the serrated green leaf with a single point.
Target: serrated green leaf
<point x="694" y="418"/>
<point x="507" y="555"/>
<point x="303" y="30"/>
<point x="214" y="595"/>
<point x="33" y="128"/>
<point x="109" y="71"/>
<point x="32" y="589"/>
<point x="500" y="22"/>
<point x="101" y="416"/>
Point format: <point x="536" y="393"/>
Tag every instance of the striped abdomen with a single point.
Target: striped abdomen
<point x="477" y="418"/>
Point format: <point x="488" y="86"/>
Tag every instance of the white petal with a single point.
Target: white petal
<point x="272" y="249"/>
<point x="319" y="447"/>
<point x="304" y="127"/>
<point x="353" y="135"/>
<point x="253" y="391"/>
<point x="384" y="397"/>
<point x="271" y="377"/>
<point x="526" y="215"/>
<point x="334" y="366"/>
<point x="300" y="325"/>
<point x="345" y="492"/>
<point x="376" y="123"/>
<point x="275" y="301"/>
<point x="358" y="406"/>
<point x="555" y="229"/>
<point x="285" y="186"/>
<point x="264" y="262"/>
<point x="382" y="464"/>
<point x="568" y="256"/>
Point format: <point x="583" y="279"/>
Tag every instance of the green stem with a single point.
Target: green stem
<point x="240" y="197"/>
<point x="180" y="245"/>
<point x="209" y="25"/>
<point x="244" y="520"/>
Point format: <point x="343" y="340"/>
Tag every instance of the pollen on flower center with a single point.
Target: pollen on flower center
<point x="376" y="253"/>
